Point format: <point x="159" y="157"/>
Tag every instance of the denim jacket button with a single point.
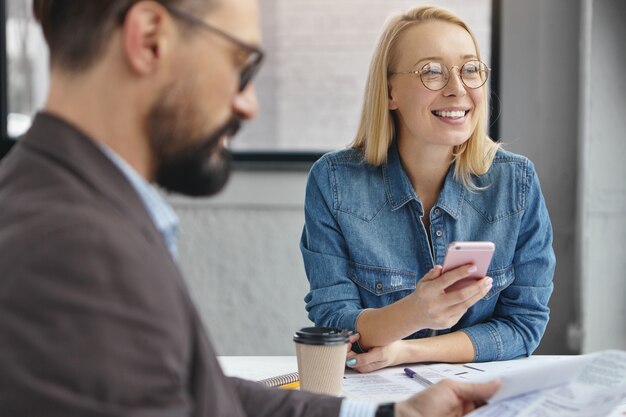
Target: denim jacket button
<point x="437" y="211"/>
<point x="379" y="286"/>
<point x="439" y="233"/>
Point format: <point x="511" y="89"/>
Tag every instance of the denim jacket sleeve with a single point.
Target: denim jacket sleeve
<point x="521" y="314"/>
<point x="333" y="300"/>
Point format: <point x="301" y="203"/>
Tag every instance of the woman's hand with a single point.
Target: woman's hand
<point x="354" y="337"/>
<point x="378" y="357"/>
<point x="435" y="308"/>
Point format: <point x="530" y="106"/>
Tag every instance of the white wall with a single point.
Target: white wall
<point x="318" y="53"/>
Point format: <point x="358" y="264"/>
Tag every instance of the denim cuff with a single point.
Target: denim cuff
<point x="488" y="345"/>
<point x="348" y="321"/>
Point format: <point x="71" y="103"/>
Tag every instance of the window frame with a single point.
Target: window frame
<point x="268" y="160"/>
<point x="5" y="142"/>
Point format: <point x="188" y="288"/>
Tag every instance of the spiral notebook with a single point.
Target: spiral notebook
<point x="277" y="381"/>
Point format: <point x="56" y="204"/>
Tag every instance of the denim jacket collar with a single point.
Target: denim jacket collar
<point x="398" y="186"/>
<point x="400" y="190"/>
<point x="451" y="196"/>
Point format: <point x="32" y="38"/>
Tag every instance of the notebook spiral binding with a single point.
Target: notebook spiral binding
<point x="279" y="380"/>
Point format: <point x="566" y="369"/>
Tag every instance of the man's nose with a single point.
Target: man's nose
<point x="246" y="103"/>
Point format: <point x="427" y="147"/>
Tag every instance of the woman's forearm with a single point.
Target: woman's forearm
<point x="382" y="326"/>
<point x="449" y="348"/>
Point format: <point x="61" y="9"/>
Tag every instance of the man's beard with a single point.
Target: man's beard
<point x="186" y="164"/>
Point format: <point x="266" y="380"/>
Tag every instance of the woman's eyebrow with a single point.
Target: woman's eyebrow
<point x="438" y="58"/>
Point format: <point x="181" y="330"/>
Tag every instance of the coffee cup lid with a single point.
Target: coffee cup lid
<point x="322" y="336"/>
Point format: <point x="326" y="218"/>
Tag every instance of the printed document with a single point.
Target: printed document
<point x="541" y="386"/>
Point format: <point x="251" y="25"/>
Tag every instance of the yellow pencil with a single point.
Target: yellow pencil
<point x="292" y="385"/>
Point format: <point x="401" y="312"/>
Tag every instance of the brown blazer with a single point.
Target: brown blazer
<point x="95" y="319"/>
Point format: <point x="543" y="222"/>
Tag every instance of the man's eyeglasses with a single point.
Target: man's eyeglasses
<point x="436" y="75"/>
<point x="254" y="54"/>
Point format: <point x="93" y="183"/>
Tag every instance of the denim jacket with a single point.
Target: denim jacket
<point x="365" y="246"/>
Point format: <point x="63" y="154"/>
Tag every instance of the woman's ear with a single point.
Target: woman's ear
<point x="392" y="104"/>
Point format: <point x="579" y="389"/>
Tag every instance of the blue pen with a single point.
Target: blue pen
<point x="414" y="375"/>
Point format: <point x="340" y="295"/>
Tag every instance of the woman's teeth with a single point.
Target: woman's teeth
<point x="450" y="114"/>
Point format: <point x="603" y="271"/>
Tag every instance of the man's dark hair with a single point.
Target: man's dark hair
<point x="77" y="30"/>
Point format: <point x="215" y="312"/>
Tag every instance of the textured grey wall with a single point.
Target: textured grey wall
<point x="239" y="253"/>
<point x="603" y="190"/>
<point x="540" y="87"/>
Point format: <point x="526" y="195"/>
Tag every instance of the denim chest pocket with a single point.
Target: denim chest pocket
<point x="502" y="278"/>
<point x="359" y="191"/>
<point x="501" y="180"/>
<point x="381" y="286"/>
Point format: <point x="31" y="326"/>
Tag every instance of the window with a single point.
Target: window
<point x="310" y="87"/>
<point x="27" y="66"/>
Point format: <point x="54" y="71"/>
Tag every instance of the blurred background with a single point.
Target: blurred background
<point x="558" y="96"/>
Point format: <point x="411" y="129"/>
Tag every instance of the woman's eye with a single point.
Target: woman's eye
<point x="432" y="70"/>
<point x="473" y="69"/>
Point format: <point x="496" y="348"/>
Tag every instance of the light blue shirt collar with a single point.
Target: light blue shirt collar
<point x="162" y="214"/>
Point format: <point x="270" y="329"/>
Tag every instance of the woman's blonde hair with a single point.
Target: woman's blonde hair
<point x="376" y="127"/>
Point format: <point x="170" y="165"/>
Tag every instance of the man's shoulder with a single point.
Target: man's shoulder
<point x="72" y="230"/>
<point x="50" y="213"/>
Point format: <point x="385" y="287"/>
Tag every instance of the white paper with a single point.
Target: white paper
<point x="385" y="385"/>
<point x="597" y="389"/>
<point x="534" y="377"/>
<point x="257" y="368"/>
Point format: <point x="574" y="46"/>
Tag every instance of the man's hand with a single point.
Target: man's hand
<point x="447" y="399"/>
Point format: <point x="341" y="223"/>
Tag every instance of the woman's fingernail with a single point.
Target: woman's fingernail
<point x="472" y="269"/>
<point x="351" y="362"/>
<point x="488" y="282"/>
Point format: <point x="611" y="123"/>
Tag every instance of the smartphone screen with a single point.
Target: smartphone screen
<point x="465" y="253"/>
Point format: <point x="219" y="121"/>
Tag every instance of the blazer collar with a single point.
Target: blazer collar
<point x="70" y="147"/>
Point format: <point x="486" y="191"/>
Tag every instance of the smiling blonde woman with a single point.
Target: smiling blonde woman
<point x="423" y="173"/>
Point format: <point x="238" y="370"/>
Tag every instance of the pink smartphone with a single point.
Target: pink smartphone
<point x="464" y="253"/>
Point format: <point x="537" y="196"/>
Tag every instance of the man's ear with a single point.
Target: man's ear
<point x="144" y="36"/>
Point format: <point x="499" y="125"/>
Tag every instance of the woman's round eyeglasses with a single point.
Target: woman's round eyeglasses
<point x="435" y="75"/>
